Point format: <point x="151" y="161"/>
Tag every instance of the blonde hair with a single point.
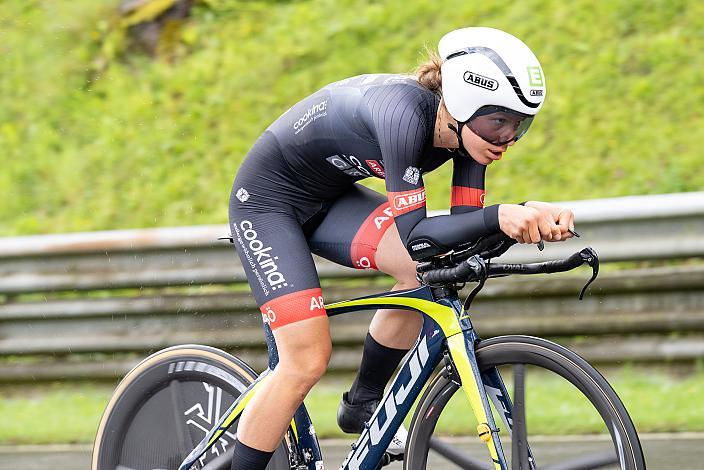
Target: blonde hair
<point x="428" y="73"/>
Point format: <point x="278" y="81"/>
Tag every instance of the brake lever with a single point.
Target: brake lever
<point x="479" y="267"/>
<point x="541" y="243"/>
<point x="590" y="257"/>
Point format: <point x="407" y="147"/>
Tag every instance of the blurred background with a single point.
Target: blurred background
<point x="123" y="123"/>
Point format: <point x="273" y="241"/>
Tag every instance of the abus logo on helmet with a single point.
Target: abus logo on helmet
<point x="263" y="256"/>
<point x="313" y="113"/>
<point x="480" y="80"/>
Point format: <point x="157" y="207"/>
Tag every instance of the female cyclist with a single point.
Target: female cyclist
<point x="295" y="193"/>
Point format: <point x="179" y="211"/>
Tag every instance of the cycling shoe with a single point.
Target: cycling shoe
<point x="351" y="418"/>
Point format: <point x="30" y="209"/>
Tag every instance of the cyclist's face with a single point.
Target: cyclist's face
<point x="479" y="149"/>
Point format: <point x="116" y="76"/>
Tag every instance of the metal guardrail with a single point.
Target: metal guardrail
<point x="89" y="304"/>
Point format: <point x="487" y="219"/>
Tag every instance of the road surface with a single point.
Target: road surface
<point x="662" y="451"/>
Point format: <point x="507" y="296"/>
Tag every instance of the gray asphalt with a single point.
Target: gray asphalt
<point x="662" y="451"/>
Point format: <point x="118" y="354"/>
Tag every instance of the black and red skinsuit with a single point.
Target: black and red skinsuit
<point x="295" y="193"/>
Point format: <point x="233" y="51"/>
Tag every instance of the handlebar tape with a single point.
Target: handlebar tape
<point x="463" y="272"/>
<point x="470" y="270"/>
<point x="546" y="267"/>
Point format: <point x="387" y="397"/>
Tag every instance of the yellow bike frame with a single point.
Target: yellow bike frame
<point x="442" y="315"/>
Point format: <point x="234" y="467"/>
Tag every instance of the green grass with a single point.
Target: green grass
<point x="157" y="142"/>
<point x="658" y="402"/>
<point x="60" y="413"/>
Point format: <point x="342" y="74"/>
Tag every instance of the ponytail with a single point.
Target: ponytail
<point x="428" y="73"/>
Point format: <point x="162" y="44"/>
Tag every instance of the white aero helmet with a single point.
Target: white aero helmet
<point x="489" y="67"/>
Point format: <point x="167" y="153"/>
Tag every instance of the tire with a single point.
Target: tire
<point x="165" y="405"/>
<point x="543" y="357"/>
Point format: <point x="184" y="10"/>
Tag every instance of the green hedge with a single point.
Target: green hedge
<point x="92" y="138"/>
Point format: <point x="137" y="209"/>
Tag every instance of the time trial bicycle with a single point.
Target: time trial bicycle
<point x="167" y="413"/>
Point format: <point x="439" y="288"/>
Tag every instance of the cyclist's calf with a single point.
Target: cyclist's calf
<point x="304" y="350"/>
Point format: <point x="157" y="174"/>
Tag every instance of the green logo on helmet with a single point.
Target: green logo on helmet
<point x="535" y="76"/>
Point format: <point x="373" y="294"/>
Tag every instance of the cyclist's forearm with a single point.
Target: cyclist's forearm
<point x="434" y="235"/>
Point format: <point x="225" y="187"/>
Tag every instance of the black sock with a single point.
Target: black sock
<point x="377" y="367"/>
<point x="247" y="458"/>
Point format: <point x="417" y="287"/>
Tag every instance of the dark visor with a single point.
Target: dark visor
<point x="498" y="125"/>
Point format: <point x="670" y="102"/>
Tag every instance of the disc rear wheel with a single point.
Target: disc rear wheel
<point x="165" y="406"/>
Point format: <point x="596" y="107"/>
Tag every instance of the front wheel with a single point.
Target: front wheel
<point x="573" y="417"/>
<point x="165" y="406"/>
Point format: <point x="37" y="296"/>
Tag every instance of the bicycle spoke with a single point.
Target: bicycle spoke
<point x="456" y="456"/>
<point x="185" y="443"/>
<point x="593" y="461"/>
<point x="519" y="445"/>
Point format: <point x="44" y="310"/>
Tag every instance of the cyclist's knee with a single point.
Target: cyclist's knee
<point x="393" y="259"/>
<point x="307" y="367"/>
<point x="302" y="373"/>
<point x="304" y="351"/>
<point x="405" y="276"/>
<point x="408" y="281"/>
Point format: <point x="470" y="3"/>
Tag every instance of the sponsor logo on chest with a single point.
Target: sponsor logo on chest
<point x="348" y="164"/>
<point x="313" y="113"/>
<point x="376" y="167"/>
<point x="412" y="175"/>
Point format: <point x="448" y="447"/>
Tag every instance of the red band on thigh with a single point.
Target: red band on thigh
<point x="366" y="241"/>
<point x="293" y="307"/>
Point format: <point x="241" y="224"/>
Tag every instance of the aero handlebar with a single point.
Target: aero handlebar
<point x="476" y="269"/>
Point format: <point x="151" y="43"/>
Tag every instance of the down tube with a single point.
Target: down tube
<point x="398" y="400"/>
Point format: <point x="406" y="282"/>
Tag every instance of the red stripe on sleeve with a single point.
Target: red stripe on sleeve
<point x="462" y="196"/>
<point x="406" y="201"/>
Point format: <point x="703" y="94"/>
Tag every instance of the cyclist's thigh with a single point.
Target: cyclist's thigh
<point x="279" y="266"/>
<point x="393" y="259"/>
<point x="269" y="237"/>
<point x="359" y="231"/>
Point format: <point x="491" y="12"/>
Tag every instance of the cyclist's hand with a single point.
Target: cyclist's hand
<point x="561" y="218"/>
<point x="525" y="224"/>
